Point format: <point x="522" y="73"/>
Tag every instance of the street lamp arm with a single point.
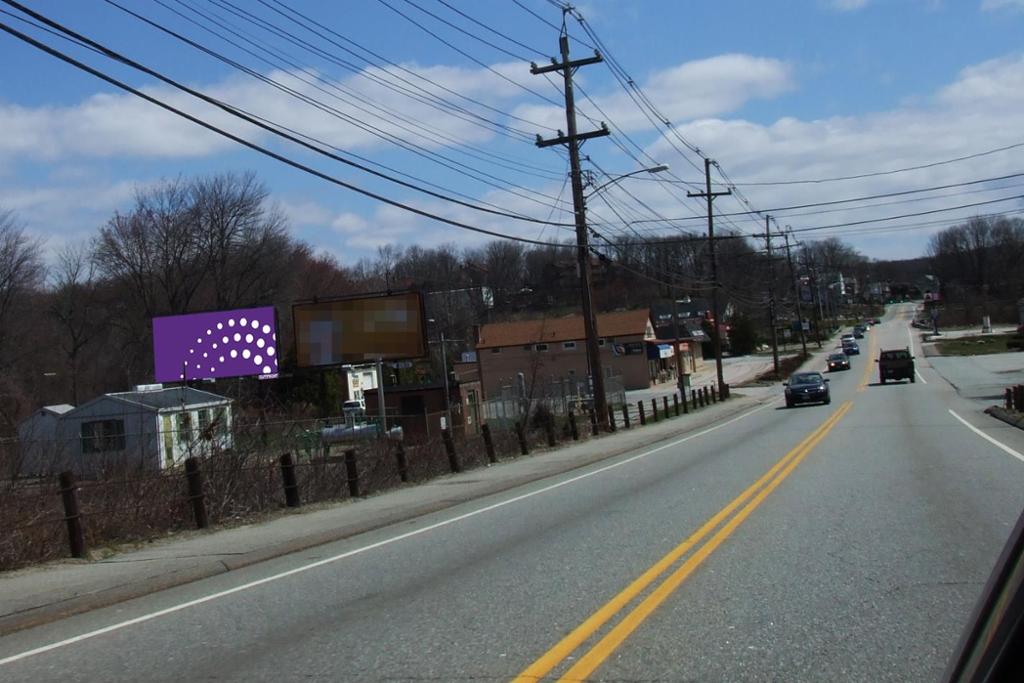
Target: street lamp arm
<point x="654" y="169"/>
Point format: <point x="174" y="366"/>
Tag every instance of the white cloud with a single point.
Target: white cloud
<point x="983" y="108"/>
<point x="65" y="213"/>
<point x="991" y="5"/>
<point x="349" y="223"/>
<point x="304" y="212"/>
<point x="705" y="87"/>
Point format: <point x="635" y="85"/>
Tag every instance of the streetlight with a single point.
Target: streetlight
<point x="589" y="316"/>
<point x="660" y="168"/>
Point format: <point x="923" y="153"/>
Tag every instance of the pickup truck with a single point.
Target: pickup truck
<point x="895" y="364"/>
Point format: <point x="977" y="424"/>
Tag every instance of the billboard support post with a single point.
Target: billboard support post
<point x="380" y="398"/>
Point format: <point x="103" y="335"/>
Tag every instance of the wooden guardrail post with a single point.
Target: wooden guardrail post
<point x="611" y="418"/>
<point x="73" y="518"/>
<point x="643" y="416"/>
<point x="574" y="430"/>
<point x="625" y="416"/>
<point x="485" y="429"/>
<point x="524" y="447"/>
<point x="352" y="472"/>
<point x="449" y="446"/>
<point x="195" y="493"/>
<point x="291" y="484"/>
<point x="401" y="462"/>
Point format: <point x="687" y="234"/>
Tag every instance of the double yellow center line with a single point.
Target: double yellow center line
<point x="750" y="499"/>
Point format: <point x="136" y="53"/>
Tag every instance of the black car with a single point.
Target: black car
<point x="851" y="348"/>
<point x="807" y="387"/>
<point x="858" y="332"/>
<point x="838" y="361"/>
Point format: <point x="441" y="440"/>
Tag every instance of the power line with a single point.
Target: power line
<point x="887" y="172"/>
<point x="419" y="150"/>
<point x="433" y="99"/>
<point x="234" y="111"/>
<point x="883" y="195"/>
<point x="492" y="29"/>
<point x="466" y="54"/>
<point x="472" y="35"/>
<point x="923" y="224"/>
<point x="908" y="215"/>
<point x="289" y="60"/>
<point x="253" y="146"/>
<point x="269" y="153"/>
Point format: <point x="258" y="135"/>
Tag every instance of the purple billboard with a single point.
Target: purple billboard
<point x="215" y="345"/>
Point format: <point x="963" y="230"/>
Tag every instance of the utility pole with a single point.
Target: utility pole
<point x="796" y="295"/>
<point x="716" y="331"/>
<point x="816" y="298"/>
<point x="572" y="141"/>
<point x="679" y="357"/>
<point x="771" y="296"/>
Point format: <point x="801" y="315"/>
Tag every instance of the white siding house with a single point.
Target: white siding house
<point x="150" y="428"/>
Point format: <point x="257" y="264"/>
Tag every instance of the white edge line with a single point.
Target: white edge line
<point x="910" y="336"/>
<point x="356" y="551"/>
<point x="988" y="438"/>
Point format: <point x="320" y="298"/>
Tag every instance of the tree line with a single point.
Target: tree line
<point x="80" y="325"/>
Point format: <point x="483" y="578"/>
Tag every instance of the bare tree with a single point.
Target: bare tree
<point x="155" y="249"/>
<point x="76" y="307"/>
<point x="245" y="244"/>
<point x="21" y="272"/>
<point x="21" y="278"/>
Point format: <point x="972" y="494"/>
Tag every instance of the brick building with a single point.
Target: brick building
<point x="544" y="350"/>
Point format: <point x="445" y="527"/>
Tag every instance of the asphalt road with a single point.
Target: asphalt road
<point x="822" y="543"/>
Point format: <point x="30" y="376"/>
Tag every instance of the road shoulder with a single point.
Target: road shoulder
<point x="39" y="595"/>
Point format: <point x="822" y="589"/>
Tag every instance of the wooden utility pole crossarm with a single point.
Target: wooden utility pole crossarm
<point x="572" y="140"/>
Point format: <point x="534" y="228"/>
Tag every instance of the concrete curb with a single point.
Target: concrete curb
<point x="206" y="568"/>
<point x="1010" y="417"/>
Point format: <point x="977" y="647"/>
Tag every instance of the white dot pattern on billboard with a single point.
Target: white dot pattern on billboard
<point x="255" y="344"/>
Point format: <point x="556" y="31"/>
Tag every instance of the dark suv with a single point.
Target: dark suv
<point x="895" y="364"/>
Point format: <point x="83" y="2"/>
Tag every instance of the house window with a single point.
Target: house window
<point x="600" y="342"/>
<point x="204" y="423"/>
<point x="496" y="349"/>
<point x="185" y="427"/>
<point x="568" y="346"/>
<point x="528" y="347"/>
<point x="541" y="347"/>
<point x="220" y="420"/>
<point x="102" y="435"/>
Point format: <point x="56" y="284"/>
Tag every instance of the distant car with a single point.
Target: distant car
<point x="851" y="348"/>
<point x="858" y="332"/>
<point x="838" y="361"/>
<point x="807" y="387"/>
<point x="848" y="337"/>
<point x="876" y="321"/>
<point x="352" y="407"/>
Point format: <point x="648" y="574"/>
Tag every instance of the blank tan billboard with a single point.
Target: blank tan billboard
<point x="359" y="329"/>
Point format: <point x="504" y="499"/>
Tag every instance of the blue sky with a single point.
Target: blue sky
<point x="773" y="91"/>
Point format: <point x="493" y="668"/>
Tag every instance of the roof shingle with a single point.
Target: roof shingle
<point x="566" y="328"/>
